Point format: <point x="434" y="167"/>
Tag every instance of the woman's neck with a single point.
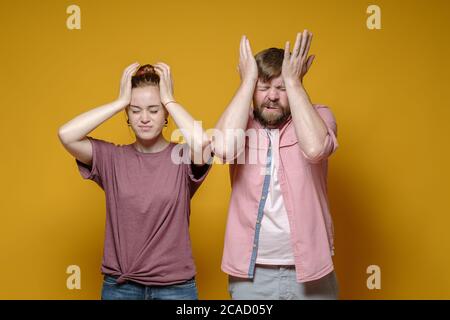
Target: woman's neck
<point x="151" y="146"/>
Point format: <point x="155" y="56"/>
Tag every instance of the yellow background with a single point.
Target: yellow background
<point x="388" y="88"/>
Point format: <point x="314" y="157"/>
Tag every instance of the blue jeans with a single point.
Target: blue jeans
<point x="135" y="291"/>
<point x="280" y="283"/>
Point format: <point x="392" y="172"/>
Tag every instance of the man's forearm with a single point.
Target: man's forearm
<point x="311" y="130"/>
<point x="235" y="117"/>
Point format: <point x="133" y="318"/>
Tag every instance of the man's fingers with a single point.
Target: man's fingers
<point x="309" y="62"/>
<point x="304" y="41"/>
<point x="249" y="48"/>
<point x="244" y="47"/>
<point x="241" y="48"/>
<point x="286" y="51"/>
<point x="298" y="40"/>
<point x="308" y="45"/>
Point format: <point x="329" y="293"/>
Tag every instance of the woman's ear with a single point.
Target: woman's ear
<point x="127" y="119"/>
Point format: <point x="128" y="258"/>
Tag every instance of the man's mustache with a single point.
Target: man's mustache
<point x="270" y="104"/>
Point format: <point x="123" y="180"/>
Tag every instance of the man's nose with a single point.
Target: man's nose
<point x="273" y="94"/>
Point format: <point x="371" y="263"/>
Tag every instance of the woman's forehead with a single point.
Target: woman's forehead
<point x="146" y="96"/>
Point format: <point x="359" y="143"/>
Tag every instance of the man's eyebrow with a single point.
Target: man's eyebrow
<point x="151" y="106"/>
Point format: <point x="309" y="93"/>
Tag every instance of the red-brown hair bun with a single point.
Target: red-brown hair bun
<point x="145" y="76"/>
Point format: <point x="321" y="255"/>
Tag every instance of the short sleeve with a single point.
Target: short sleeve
<point x="331" y="143"/>
<point x="195" y="174"/>
<point x="101" y="160"/>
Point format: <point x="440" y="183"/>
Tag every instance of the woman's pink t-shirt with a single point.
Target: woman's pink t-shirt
<point x="147" y="212"/>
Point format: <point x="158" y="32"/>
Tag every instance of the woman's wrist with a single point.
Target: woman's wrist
<point x="122" y="103"/>
<point x="166" y="102"/>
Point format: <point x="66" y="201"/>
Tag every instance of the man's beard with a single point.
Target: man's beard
<point x="272" y="119"/>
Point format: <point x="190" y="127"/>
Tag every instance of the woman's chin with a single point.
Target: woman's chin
<point x="147" y="136"/>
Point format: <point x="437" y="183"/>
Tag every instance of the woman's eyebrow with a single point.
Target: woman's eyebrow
<point x="151" y="106"/>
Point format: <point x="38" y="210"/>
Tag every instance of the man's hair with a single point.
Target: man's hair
<point x="269" y="63"/>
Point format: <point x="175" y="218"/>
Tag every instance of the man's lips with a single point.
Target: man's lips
<point x="271" y="107"/>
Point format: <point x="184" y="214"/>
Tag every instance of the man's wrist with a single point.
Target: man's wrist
<point x="249" y="82"/>
<point x="292" y="82"/>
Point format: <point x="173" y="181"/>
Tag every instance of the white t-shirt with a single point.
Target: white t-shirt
<point x="274" y="245"/>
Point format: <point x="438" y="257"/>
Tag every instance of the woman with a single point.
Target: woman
<point x="147" y="250"/>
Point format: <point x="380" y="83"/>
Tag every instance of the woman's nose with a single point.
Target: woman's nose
<point x="145" y="117"/>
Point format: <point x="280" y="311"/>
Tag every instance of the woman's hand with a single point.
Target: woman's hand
<point x="165" y="82"/>
<point x="295" y="66"/>
<point x="248" y="70"/>
<point x="125" y="84"/>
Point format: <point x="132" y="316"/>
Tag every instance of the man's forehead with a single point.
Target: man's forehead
<point x="276" y="81"/>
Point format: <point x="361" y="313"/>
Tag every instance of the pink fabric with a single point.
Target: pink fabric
<point x="147" y="212"/>
<point x="304" y="187"/>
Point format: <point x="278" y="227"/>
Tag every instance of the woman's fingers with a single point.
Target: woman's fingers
<point x="129" y="71"/>
<point x="163" y="65"/>
<point x="131" y="67"/>
<point x="162" y="68"/>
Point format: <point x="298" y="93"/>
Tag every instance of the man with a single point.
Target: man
<point x="279" y="235"/>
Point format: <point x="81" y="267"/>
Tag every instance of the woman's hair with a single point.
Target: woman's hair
<point x="269" y="63"/>
<point x="145" y="76"/>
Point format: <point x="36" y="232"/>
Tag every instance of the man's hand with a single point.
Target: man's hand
<point x="165" y="82"/>
<point x="295" y="66"/>
<point x="248" y="70"/>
